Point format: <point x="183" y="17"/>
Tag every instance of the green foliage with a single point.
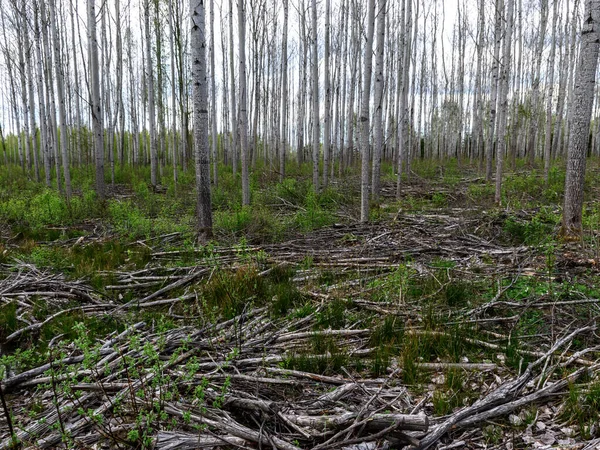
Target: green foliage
<point x="333" y="314"/>
<point x="538" y="229"/>
<point x="583" y="407"/>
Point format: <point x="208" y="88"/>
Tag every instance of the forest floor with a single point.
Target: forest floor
<point x="446" y="322"/>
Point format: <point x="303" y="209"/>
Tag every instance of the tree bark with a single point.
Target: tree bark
<point x="284" y="94"/>
<point x="315" y="98"/>
<point x="378" y="115"/>
<point x="364" y="115"/>
<point x="583" y="99"/>
<point x="200" y="101"/>
<point x="61" y="101"/>
<point x="151" y="99"/>
<point x="327" y="89"/>
<point x="503" y="100"/>
<point x="243" y="102"/>
<point x="95" y="99"/>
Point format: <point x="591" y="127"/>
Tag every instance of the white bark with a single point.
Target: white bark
<point x="213" y="94"/>
<point x="151" y="98"/>
<point x="489" y="151"/>
<point x="327" y="89"/>
<point x="315" y="98"/>
<point x="378" y="113"/>
<point x="548" y="131"/>
<point x="200" y="121"/>
<point x="503" y="98"/>
<point x="364" y="114"/>
<point x="96" y="106"/>
<point x="583" y="99"/>
<point x="61" y="101"/>
<point x="284" y="94"/>
<point x="243" y="102"/>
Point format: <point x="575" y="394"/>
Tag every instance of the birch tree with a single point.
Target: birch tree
<point x="548" y="131"/>
<point x="378" y="115"/>
<point x="284" y="93"/>
<point x="503" y="100"/>
<point x="243" y="101"/>
<point x="151" y="98"/>
<point x="61" y="100"/>
<point x="364" y="114"/>
<point x="95" y="104"/>
<point x="327" y="90"/>
<point x="200" y="101"/>
<point x="583" y="100"/>
<point x="315" y="98"/>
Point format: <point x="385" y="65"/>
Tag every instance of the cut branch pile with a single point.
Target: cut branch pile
<point x="224" y="386"/>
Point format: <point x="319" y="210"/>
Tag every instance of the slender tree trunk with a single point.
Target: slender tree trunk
<point x="21" y="23"/>
<point x="151" y="99"/>
<point x="31" y="92"/>
<point x="477" y="125"/>
<point x="213" y="94"/>
<point x="403" y="119"/>
<point x="173" y="95"/>
<point x="489" y="151"/>
<point x="583" y="100"/>
<point x="95" y="99"/>
<point x="379" y="92"/>
<point x="243" y="102"/>
<point x="284" y="93"/>
<point x="548" y="132"/>
<point x="503" y="100"/>
<point x="200" y="99"/>
<point x="61" y="101"/>
<point x="364" y="114"/>
<point x="235" y="130"/>
<point x="44" y="132"/>
<point x="327" y="89"/>
<point x="302" y="88"/>
<point x="535" y="95"/>
<point x="315" y="98"/>
<point x="354" y="42"/>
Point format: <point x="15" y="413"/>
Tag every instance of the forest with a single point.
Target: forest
<point x="299" y="224"/>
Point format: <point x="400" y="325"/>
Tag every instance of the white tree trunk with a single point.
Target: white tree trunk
<point x="503" y="100"/>
<point x="61" y="101"/>
<point x="315" y="98"/>
<point x="378" y="115"/>
<point x="489" y="150"/>
<point x="213" y="94"/>
<point x="200" y="121"/>
<point x="151" y="98"/>
<point x="284" y="94"/>
<point x="95" y="99"/>
<point x="583" y="100"/>
<point x="243" y="118"/>
<point x="327" y="89"/>
<point x="535" y="95"/>
<point x="364" y="115"/>
<point x="548" y="132"/>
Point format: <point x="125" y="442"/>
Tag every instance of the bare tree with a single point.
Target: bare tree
<point x="243" y="117"/>
<point x="315" y="97"/>
<point x="503" y="98"/>
<point x="284" y="93"/>
<point x="548" y="132"/>
<point x="583" y="100"/>
<point x="378" y="115"/>
<point x="364" y="114"/>
<point x="327" y="89"/>
<point x="95" y="104"/>
<point x="151" y="98"/>
<point x="200" y="100"/>
<point x="61" y="100"/>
